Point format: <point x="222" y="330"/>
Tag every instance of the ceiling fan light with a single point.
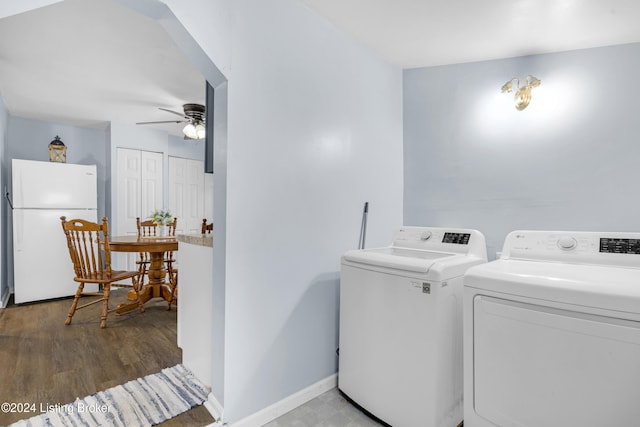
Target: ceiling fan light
<point x="200" y="131"/>
<point x="190" y="131"/>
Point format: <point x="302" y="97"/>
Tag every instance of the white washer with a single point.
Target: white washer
<point x="401" y="325"/>
<point x="552" y="332"/>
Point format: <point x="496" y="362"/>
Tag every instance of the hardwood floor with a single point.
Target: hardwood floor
<point x="42" y="361"/>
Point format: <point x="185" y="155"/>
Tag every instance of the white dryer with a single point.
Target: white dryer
<point x="552" y="332"/>
<point x="401" y="325"/>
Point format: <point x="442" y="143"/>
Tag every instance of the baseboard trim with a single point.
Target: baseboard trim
<point x="287" y="404"/>
<point x="5" y="300"/>
<point x="215" y="409"/>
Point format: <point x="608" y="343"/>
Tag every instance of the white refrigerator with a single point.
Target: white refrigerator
<point x="42" y="193"/>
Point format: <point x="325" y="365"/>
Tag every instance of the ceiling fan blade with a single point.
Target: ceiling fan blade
<point x="164" y="121"/>
<point x="173" y="112"/>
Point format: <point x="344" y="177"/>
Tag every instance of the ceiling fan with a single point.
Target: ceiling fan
<point x="194" y="117"/>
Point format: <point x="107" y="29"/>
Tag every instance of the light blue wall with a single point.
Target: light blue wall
<point x="4" y="207"/>
<point x="314" y="131"/>
<point x="220" y="237"/>
<point x="567" y="162"/>
<point x="29" y="139"/>
<point x="185" y="148"/>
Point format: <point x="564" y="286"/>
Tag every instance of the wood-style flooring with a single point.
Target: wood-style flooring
<point x="42" y="361"/>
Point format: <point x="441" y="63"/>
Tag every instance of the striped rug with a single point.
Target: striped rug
<point x="143" y="402"/>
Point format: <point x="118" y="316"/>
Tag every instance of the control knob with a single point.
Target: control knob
<point x="425" y="236"/>
<point x="567" y="243"/>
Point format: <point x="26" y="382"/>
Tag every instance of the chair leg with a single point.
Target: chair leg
<point x="105" y="305"/>
<point x="143" y="271"/>
<point x="74" y="304"/>
<point x="138" y="288"/>
<point x="173" y="281"/>
<point x="138" y="284"/>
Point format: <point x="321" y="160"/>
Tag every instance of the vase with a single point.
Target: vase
<point x="163" y="230"/>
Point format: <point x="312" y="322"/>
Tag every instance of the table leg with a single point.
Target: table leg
<point x="155" y="288"/>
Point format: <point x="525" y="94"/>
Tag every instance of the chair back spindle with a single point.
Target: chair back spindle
<point x="148" y="228"/>
<point x="88" y="245"/>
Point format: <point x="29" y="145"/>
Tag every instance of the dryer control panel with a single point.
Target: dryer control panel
<point x="613" y="245"/>
<point x="615" y="248"/>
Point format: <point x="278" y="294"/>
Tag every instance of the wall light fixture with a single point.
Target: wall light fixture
<point x="523" y="94"/>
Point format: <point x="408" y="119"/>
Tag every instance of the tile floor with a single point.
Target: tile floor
<point x="330" y="409"/>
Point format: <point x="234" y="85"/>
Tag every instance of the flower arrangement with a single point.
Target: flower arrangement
<point x="161" y="217"/>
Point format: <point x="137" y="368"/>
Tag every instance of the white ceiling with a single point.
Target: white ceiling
<point x="419" y="33"/>
<point x="86" y="63"/>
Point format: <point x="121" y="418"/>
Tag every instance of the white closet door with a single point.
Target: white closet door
<point x="151" y="183"/>
<point x="129" y="189"/>
<point x="139" y="187"/>
<point x="186" y="193"/>
<point x="195" y="210"/>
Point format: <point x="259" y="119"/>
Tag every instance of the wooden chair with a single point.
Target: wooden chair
<point x="206" y="228"/>
<point x="88" y="244"/>
<point x="148" y="228"/>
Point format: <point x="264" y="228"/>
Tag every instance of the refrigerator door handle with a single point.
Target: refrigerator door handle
<point x="7" y="196"/>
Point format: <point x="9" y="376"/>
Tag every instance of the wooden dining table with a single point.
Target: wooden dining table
<point x="156" y="246"/>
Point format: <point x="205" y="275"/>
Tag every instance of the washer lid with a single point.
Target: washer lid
<point x="415" y="260"/>
<point x="607" y="287"/>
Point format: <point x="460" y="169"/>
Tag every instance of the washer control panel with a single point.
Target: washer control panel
<point x="613" y="248"/>
<point x="453" y="240"/>
<point x="457" y="238"/>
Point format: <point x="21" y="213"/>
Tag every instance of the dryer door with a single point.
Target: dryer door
<point x="539" y="366"/>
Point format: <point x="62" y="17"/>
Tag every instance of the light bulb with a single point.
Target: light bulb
<point x="189" y="131"/>
<point x="200" y="131"/>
